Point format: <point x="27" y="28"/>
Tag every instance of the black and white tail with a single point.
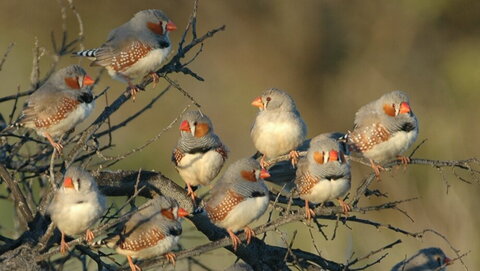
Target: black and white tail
<point x="87" y="53"/>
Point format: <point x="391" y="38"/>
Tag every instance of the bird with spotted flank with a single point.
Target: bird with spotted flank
<point x="151" y="231"/>
<point x="383" y="130"/>
<point x="135" y="49"/>
<point x="199" y="154"/>
<point x="59" y="105"/>
<point x="239" y="198"/>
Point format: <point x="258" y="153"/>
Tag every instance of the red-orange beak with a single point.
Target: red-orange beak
<point x="184" y="126"/>
<point x="404" y="108"/>
<point x="87" y="80"/>
<point x="171" y="26"/>
<point x="68" y="183"/>
<point x="264" y="174"/>
<point x="258" y="102"/>
<point x="182" y="212"/>
<point x="333" y="155"/>
<point x="447" y="261"/>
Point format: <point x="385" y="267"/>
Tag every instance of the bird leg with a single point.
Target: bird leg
<point x="249" y="233"/>
<point x="133" y="266"/>
<point x="405" y="160"/>
<point x="345" y="207"/>
<point x="376" y="168"/>
<point x="190" y="192"/>
<point x="171" y="257"/>
<point x="133" y="90"/>
<point x="57" y="146"/>
<point x="263" y="163"/>
<point x="155" y="78"/>
<point x="294" y="155"/>
<point x="308" y="212"/>
<point x="64" y="247"/>
<point x="89" y="236"/>
<point x="235" y="239"/>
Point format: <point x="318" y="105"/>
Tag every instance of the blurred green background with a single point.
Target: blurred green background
<point x="332" y="57"/>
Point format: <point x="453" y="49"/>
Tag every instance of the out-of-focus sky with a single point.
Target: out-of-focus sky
<point x="332" y="57"/>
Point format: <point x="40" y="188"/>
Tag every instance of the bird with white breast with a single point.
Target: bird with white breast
<point x="199" y="154"/>
<point x="77" y="205"/>
<point x="59" y="105"/>
<point x="324" y="173"/>
<point x="278" y="128"/>
<point x="383" y="130"/>
<point x="239" y="198"/>
<point x="135" y="49"/>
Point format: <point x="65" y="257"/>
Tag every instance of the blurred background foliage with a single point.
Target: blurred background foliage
<point x="332" y="57"/>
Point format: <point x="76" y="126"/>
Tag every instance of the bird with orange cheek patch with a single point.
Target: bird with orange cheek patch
<point x="239" y="198"/>
<point x="77" y="205"/>
<point x="383" y="130"/>
<point x="152" y="231"/>
<point x="135" y="49"/>
<point x="278" y="128"/>
<point x="199" y="154"/>
<point x="59" y="105"/>
<point x="324" y="173"/>
<point x="427" y="259"/>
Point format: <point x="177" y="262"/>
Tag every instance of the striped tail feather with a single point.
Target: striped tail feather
<point x="87" y="53"/>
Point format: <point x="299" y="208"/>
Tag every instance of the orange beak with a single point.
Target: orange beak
<point x="87" y="80"/>
<point x="68" y="183"/>
<point x="182" y="212"/>
<point x="258" y="102"/>
<point x="447" y="261"/>
<point x="171" y="26"/>
<point x="333" y="155"/>
<point x="184" y="126"/>
<point x="404" y="108"/>
<point x="264" y="174"/>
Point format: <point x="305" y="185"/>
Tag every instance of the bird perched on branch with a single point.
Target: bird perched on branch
<point x="199" y="154"/>
<point x="278" y="128"/>
<point x="324" y="173"/>
<point x="427" y="259"/>
<point x="59" y="105"/>
<point x="239" y="198"/>
<point x="136" y="48"/>
<point x="151" y="231"/>
<point x="384" y="129"/>
<point x="77" y="205"/>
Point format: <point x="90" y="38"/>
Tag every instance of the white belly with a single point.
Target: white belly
<point x="150" y="63"/>
<point x="326" y="190"/>
<point x="200" y="168"/>
<point x="73" y="118"/>
<point x="276" y="138"/>
<point x="163" y="246"/>
<point x="77" y="218"/>
<point x="394" y="146"/>
<point x="245" y="213"/>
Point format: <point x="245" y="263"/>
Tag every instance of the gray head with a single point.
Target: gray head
<point x="275" y="100"/>
<point x="72" y="77"/>
<point x="168" y="208"/>
<point x="245" y="170"/>
<point x="394" y="104"/>
<point x="153" y="19"/>
<point x="326" y="156"/>
<point x="431" y="258"/>
<point x="76" y="180"/>
<point x="195" y="124"/>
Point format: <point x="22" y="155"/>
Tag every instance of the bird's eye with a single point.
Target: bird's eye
<point x="439" y="261"/>
<point x="269" y="99"/>
<point x="195" y="123"/>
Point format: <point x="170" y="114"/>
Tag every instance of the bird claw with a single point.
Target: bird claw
<point x="405" y="160"/>
<point x="171" y="257"/>
<point x="294" y="155"/>
<point x="345" y="207"/>
<point x="235" y="240"/>
<point x="64" y="247"/>
<point x="56" y="146"/>
<point x="377" y="168"/>
<point x="134" y="89"/>
<point x="133" y="267"/>
<point x="89" y="236"/>
<point x="309" y="213"/>
<point x="263" y="163"/>
<point x="249" y="233"/>
<point x="155" y="78"/>
<point x="191" y="193"/>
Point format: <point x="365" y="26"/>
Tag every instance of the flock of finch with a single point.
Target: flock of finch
<point x="383" y="130"/>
